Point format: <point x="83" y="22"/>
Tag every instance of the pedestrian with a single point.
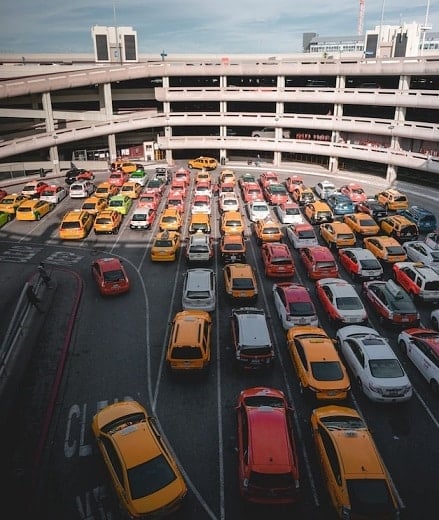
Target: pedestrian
<point x="33" y="298"/>
<point x="44" y="276"/>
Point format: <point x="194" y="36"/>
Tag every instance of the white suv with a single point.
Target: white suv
<point x="81" y="189"/>
<point x="199" y="290"/>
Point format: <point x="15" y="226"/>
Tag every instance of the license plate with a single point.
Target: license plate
<point x="404" y="318"/>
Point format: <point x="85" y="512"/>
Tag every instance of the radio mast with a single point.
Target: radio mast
<point x="361" y="17"/>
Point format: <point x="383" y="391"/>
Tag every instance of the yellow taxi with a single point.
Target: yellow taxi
<point x="232" y="223"/>
<point x="392" y="199"/>
<point x="318" y="365"/>
<point x="354" y="472"/>
<point x="10" y="202"/>
<point x="132" y="189"/>
<point x="386" y="249"/>
<point x="227" y="176"/>
<point x="133" y="449"/>
<point x="107" y="221"/>
<point x="203" y="176"/>
<point x="165" y="246"/>
<point x="94" y="204"/>
<point x="33" y="209"/>
<point x="189" y="341"/>
<point x="362" y="224"/>
<point x="76" y="224"/>
<point x="267" y="230"/>
<point x="208" y="163"/>
<point x="399" y="227"/>
<point x="106" y="190"/>
<point x="318" y="212"/>
<point x="170" y="220"/>
<point x="240" y="281"/>
<point x="337" y="234"/>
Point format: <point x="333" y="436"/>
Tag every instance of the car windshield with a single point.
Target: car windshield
<point x="116" y="203"/>
<point x="233" y="247"/>
<point x="271" y="230"/>
<point x="367" y="222"/>
<point x="370" y="497"/>
<point x="89" y="205"/>
<point x="292" y="211"/>
<point x="349" y="303"/>
<point x="149" y="477"/>
<point x="341" y="422"/>
<point x="101" y="190"/>
<point x="198" y="248"/>
<point x="243" y="283"/>
<point x="163" y="243"/>
<point x="103" y="220"/>
<point x="301" y="308"/>
<point x="306" y="234"/>
<point x="114" y="276"/>
<point x="325" y="265"/>
<point x="281" y="261"/>
<point x="395" y="251"/>
<point x="139" y="217"/>
<point x="198" y="295"/>
<point x="169" y="220"/>
<point x="385" y="368"/>
<point x="326" y="370"/>
<point x="370" y="264"/>
<point x="271" y="480"/>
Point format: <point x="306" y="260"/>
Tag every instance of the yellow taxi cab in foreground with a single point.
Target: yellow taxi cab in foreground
<point x="76" y="224"/>
<point x="107" y="221"/>
<point x="362" y="224"/>
<point x="10" y="202"/>
<point x="106" y="190"/>
<point x="170" y="220"/>
<point x="392" y="199"/>
<point x="165" y="246"/>
<point x="386" y="249"/>
<point x="354" y="473"/>
<point x="33" y="209"/>
<point x="132" y="189"/>
<point x="267" y="230"/>
<point x="208" y="163"/>
<point x="144" y="474"/>
<point x="232" y="223"/>
<point x="240" y="281"/>
<point x="94" y="204"/>
<point x="337" y="234"/>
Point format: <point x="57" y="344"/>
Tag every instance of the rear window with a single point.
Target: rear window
<point x="325" y="265"/>
<point x="432" y="286"/>
<point x="114" y="276"/>
<point x="186" y="352"/>
<point x="70" y="225"/>
<point x="272" y="480"/>
<point x="370" y="497"/>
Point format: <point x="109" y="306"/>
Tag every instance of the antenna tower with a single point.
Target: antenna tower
<point x="361" y="17"/>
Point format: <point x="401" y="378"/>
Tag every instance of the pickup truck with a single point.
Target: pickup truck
<point x="269" y="132"/>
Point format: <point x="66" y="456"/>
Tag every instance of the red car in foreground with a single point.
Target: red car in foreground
<point x="110" y="276"/>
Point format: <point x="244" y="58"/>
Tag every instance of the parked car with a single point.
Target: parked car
<point x="33" y="209"/>
<point x="232" y="248"/>
<point x="142" y="218"/>
<point x="372" y="207"/>
<point x="360" y="487"/>
<point x="228" y="202"/>
<point x="149" y="198"/>
<point x="54" y="194"/>
<point x="294" y="305"/>
<point x="424" y="219"/>
<point x="119" y="178"/>
<point x="319" y="262"/>
<point x="360" y="263"/>
<point x="324" y="188"/>
<point x="107" y="221"/>
<point x="170" y="220"/>
<point x="268" y="472"/>
<point x="374" y="365"/>
<point x="420" y="281"/>
<point x="362" y="224"/>
<point x="232" y="223"/>
<point x="94" y="204"/>
<point x="340" y="204"/>
<point x="340" y="301"/>
<point x="392" y="199"/>
<point x="133" y="448"/>
<point x="165" y="246"/>
<point x="386" y="249"/>
<point x="301" y="235"/>
<point x="252" y="191"/>
<point x="199" y="290"/>
<point x="267" y="178"/>
<point x="240" y="281"/>
<point x="77" y="174"/>
<point x="106" y="190"/>
<point x="139" y="175"/>
<point x="199" y="248"/>
<point x="132" y="189"/>
<point x="110" y="276"/>
<point x="33" y="189"/>
<point x="289" y="213"/>
<point x="419" y="251"/>
<point x="337" y="234"/>
<point x="81" y="189"/>
<point x="292" y="182"/>
<point x="354" y="191"/>
<point x="318" y="212"/>
<point x="11" y="201"/>
<point x="399" y="227"/>
<point x="121" y="203"/>
<point x="277" y="260"/>
<point x="75" y="224"/>
<point x="257" y="210"/>
<point x="276" y="194"/>
<point x="267" y="230"/>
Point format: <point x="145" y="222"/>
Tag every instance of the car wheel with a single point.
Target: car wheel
<point x="116" y="231"/>
<point x="434" y="323"/>
<point x="403" y="347"/>
<point x="37" y="216"/>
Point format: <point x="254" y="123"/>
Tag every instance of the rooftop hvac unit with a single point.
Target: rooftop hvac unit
<point x="115" y="44"/>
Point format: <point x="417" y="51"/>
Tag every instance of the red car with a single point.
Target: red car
<point x="179" y="185"/>
<point x="110" y="276"/>
<point x="294" y="305"/>
<point x="268" y="466"/>
<point x="277" y="260"/>
<point x="354" y="191"/>
<point x="118" y="178"/>
<point x="360" y="263"/>
<point x="3" y="193"/>
<point x="276" y="194"/>
<point x="156" y="185"/>
<point x="176" y="200"/>
<point x="268" y="178"/>
<point x="292" y="182"/>
<point x="149" y="198"/>
<point x="252" y="191"/>
<point x="34" y="188"/>
<point x="182" y="174"/>
<point x="319" y="262"/>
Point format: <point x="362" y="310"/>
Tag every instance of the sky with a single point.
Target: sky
<point x="197" y="26"/>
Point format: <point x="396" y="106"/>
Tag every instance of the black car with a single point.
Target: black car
<point x="75" y="174"/>
<point x="371" y="206"/>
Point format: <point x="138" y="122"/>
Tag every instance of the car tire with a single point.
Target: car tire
<point x="403" y="347"/>
<point x="116" y="231"/>
<point x="434" y="323"/>
<point x="37" y="216"/>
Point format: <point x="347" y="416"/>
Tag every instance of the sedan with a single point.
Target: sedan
<point x="53" y="194"/>
<point x="324" y="188"/>
<point x="33" y="209"/>
<point x="294" y="305"/>
<point x="362" y="224"/>
<point x="418" y="251"/>
<point x="143" y="471"/>
<point x="421" y="346"/>
<point x="374" y="365"/>
<point x="10" y="202"/>
<point x="110" y="276"/>
<point x="340" y="301"/>
<point x="257" y="210"/>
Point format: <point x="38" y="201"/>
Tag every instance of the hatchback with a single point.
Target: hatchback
<point x="399" y="227"/>
<point x="199" y="248"/>
<point x="34" y="188"/>
<point x="94" y="204"/>
<point x="302" y="235"/>
<point x="232" y="248"/>
<point x="294" y="305"/>
<point x="340" y="204"/>
<point x="419" y="251"/>
<point x="362" y="224"/>
<point x="318" y="212"/>
<point x="142" y="218"/>
<point x="319" y="262"/>
<point x="318" y="366"/>
<point x="81" y="189"/>
<point x="268" y="471"/>
<point x="240" y="281"/>
<point x="132" y="189"/>
<point x="420" y="281"/>
<point x="143" y="471"/>
<point x="106" y="190"/>
<point x="374" y="365"/>
<point x="75" y="225"/>
<point x="165" y="246"/>
<point x="422" y="217"/>
<point x="110" y="276"/>
<point x="386" y="249"/>
<point x="360" y="263"/>
<point x="289" y="213"/>
<point x="120" y="203"/>
<point x="199" y="290"/>
<point x="33" y="209"/>
<point x="107" y="221"/>
<point x="355" y="475"/>
<point x="170" y="220"/>
<point x="277" y="259"/>
<point x="337" y="234"/>
<point x="392" y="199"/>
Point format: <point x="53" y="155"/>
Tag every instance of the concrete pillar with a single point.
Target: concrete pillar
<point x="333" y="164"/>
<point x="277" y="158"/>
<point x="391" y="174"/>
<point x="50" y="128"/>
<point x="106" y="107"/>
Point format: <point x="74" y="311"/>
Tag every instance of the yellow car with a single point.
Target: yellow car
<point x="75" y="225"/>
<point x="240" y="281"/>
<point x="386" y="249"/>
<point x="227" y="177"/>
<point x="267" y="230"/>
<point x="170" y="220"/>
<point x="10" y="203"/>
<point x="318" y="212"/>
<point x="33" y="209"/>
<point x="132" y="189"/>
<point x="94" y="204"/>
<point x="106" y="190"/>
<point x="203" y="176"/>
<point x="360" y="487"/>
<point x="337" y="234"/>
<point x="189" y="341"/>
<point x="362" y="224"/>
<point x="207" y="163"/>
<point x="165" y="246"/>
<point x="399" y="227"/>
<point x="232" y="223"/>
<point x="392" y="199"/>
<point x="107" y="221"/>
<point x="318" y="365"/>
<point x="143" y="471"/>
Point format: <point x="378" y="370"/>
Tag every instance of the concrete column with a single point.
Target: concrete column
<point x="277" y="158"/>
<point x="391" y="174"/>
<point x="333" y="164"/>
<point x="106" y="107"/>
<point x="50" y="128"/>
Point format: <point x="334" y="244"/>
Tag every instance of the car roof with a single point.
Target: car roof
<point x="294" y="292"/>
<point x="360" y="252"/>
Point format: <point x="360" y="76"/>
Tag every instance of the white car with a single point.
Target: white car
<point x="324" y="188"/>
<point x="258" y="210"/>
<point x="228" y="202"/>
<point x="54" y="194"/>
<point x="201" y="204"/>
<point x="432" y="240"/>
<point x="418" y="251"/>
<point x="302" y="235"/>
<point x="81" y="189"/>
<point x="294" y="305"/>
<point x="289" y="213"/>
<point x="340" y="301"/>
<point x="139" y="176"/>
<point x="199" y="290"/>
<point x="199" y="248"/>
<point x="373" y="363"/>
<point x="421" y="346"/>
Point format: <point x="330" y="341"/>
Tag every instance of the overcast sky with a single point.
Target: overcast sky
<point x="196" y="26"/>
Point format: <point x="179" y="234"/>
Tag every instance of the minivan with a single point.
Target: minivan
<point x="423" y="218"/>
<point x="199" y="289"/>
